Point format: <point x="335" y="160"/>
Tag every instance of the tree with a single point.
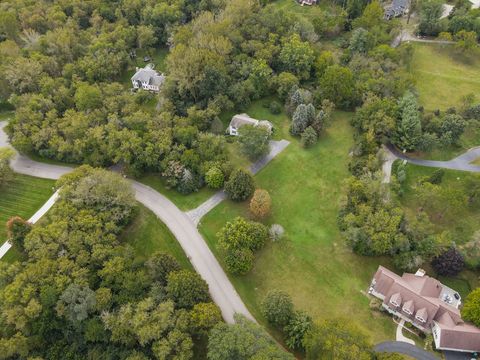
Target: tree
<point x="430" y="13"/>
<point x="284" y="83"/>
<point x="303" y="116"/>
<point x="260" y="204"/>
<point x="449" y="262"/>
<point x="451" y="129"/>
<point x="204" y="316"/>
<point x="338" y="85"/>
<point x="145" y="36"/>
<point x="238" y="240"/>
<point x="408" y="131"/>
<point x="160" y="265"/>
<point x="214" y="178"/>
<point x="299" y="325"/>
<point x="296" y="56"/>
<point x="361" y="41"/>
<point x="471" y="308"/>
<point x="277" y="308"/>
<point x="243" y="340"/>
<point x="17" y="230"/>
<point x="187" y="288"/>
<point x="240" y="186"/>
<point x="337" y="339"/>
<point x="6" y="173"/>
<point x="254" y="141"/>
<point x="88" y="97"/>
<point x="76" y="302"/>
<point x="309" y="137"/>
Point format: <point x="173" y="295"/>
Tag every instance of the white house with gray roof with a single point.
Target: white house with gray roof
<point x="240" y="120"/>
<point x="147" y="79"/>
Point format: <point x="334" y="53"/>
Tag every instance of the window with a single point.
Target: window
<point x="407" y="311"/>
<point x="393" y="302"/>
<point x="419" y="318"/>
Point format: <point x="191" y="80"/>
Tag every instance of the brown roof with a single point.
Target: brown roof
<point x="423" y="293"/>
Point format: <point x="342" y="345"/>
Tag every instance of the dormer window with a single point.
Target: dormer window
<point x="405" y="310"/>
<point x="421" y="315"/>
<point x="408" y="307"/>
<point x="396" y="299"/>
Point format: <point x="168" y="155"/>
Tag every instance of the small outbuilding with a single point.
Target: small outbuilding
<point x="240" y="120"/>
<point x="147" y="79"/>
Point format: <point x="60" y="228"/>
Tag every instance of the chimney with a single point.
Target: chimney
<point x="420" y="272"/>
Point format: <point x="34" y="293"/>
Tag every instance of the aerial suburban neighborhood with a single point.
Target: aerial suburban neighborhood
<point x="240" y="180"/>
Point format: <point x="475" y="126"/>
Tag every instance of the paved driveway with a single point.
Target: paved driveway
<point x="461" y="162"/>
<point x="404" y="348"/>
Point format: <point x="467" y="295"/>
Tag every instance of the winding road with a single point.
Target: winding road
<point x="461" y="162"/>
<point x="180" y="224"/>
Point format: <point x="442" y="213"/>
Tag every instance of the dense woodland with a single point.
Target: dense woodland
<point x="80" y="294"/>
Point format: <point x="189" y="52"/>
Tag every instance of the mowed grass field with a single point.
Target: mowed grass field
<point x="147" y="234"/>
<point x="312" y="263"/>
<point x="444" y="77"/>
<point x="21" y="197"/>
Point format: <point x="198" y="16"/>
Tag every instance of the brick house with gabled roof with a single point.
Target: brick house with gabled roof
<point x="428" y="305"/>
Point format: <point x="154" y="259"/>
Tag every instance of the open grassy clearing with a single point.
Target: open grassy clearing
<point x="312" y="262"/>
<point x="22" y="197"/>
<point x="443" y="77"/>
<point x="293" y="7"/>
<point x="148" y="234"/>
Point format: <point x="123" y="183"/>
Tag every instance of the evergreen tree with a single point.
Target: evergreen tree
<point x="408" y="130"/>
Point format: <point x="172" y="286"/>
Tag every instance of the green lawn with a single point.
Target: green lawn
<point x="148" y="234"/>
<point x="293" y="7"/>
<point x="312" y="263"/>
<point x="22" y="197"/>
<point x="443" y="77"/>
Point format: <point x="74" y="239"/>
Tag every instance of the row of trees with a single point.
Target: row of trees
<point x="80" y="293"/>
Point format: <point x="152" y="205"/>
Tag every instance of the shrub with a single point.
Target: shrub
<point x="309" y="137"/>
<point x="295" y="330"/>
<point x="277" y="308"/>
<point x="275" y="107"/>
<point x="238" y="240"/>
<point x="449" y="263"/>
<point x="239" y="261"/>
<point x="240" y="185"/>
<point x="187" y="288"/>
<point x="214" y="178"/>
<point x="471" y="308"/>
<point x="261" y="204"/>
<point x="276" y="232"/>
<point x="436" y="177"/>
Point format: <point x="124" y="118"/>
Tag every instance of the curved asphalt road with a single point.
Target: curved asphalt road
<point x="221" y="289"/>
<point x="404" y="348"/>
<point x="461" y="162"/>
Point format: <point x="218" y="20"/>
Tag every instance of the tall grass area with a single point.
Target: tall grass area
<point x="442" y="76"/>
<point x="312" y="263"/>
<point x="23" y="196"/>
<point x="462" y="226"/>
<point x="147" y="234"/>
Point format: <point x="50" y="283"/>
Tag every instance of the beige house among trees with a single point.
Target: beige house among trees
<point x="240" y="120"/>
<point x="428" y="305"/>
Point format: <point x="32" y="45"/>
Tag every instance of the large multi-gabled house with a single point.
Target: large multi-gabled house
<point x="147" y="79"/>
<point x="428" y="305"/>
<point x="398" y="8"/>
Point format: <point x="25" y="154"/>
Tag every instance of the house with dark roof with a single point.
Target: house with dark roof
<point x="398" y="8"/>
<point x="428" y="305"/>
<point x="240" y="120"/>
<point x="147" y="79"/>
